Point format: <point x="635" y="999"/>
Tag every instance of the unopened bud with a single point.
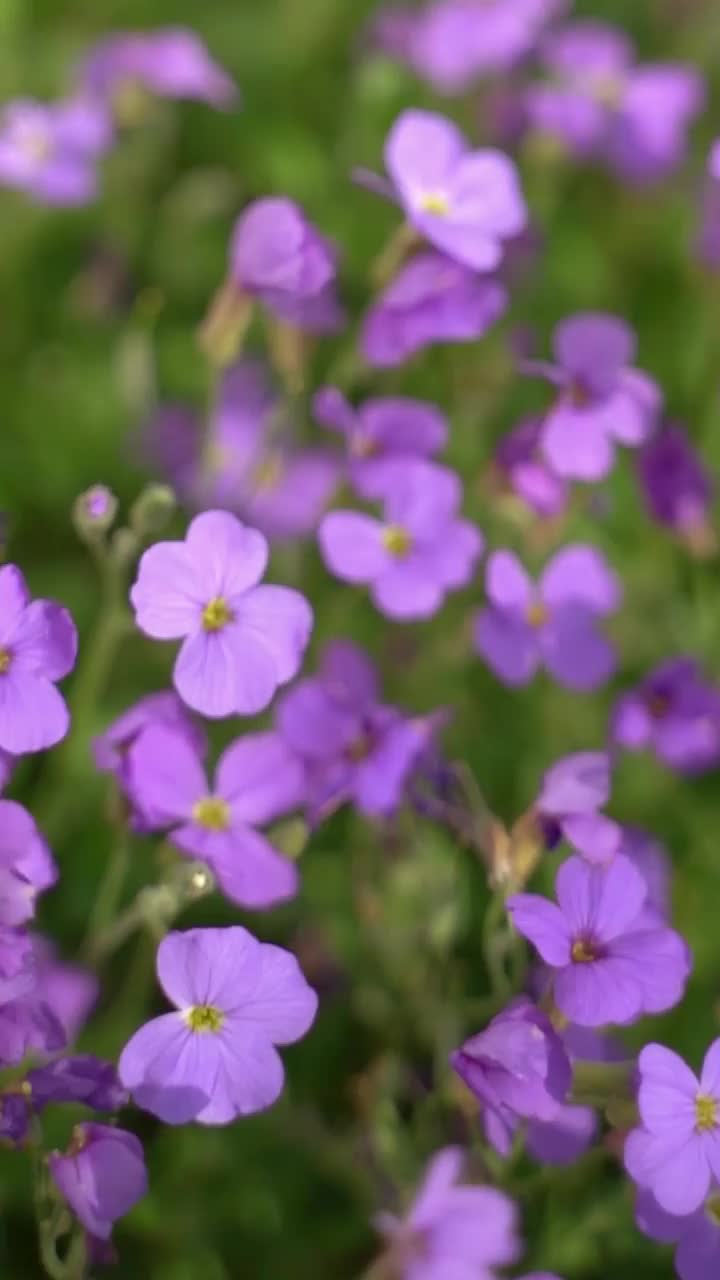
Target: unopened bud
<point x="152" y="511"/>
<point x="94" y="512"/>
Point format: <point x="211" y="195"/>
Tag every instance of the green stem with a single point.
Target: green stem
<point x="109" y="891"/>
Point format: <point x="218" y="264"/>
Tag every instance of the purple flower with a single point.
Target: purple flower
<point x="7" y="764"/>
<point x="29" y="1026"/>
<point x="69" y="990"/>
<point x="111" y="748"/>
<point x="553" y="624"/>
<point x="418" y="552"/>
<point x="51" y="151"/>
<point x="601" y="400"/>
<point x="249" y="461"/>
<point x="517" y="1068"/>
<point x="451" y="43"/>
<point x="675" y="483"/>
<point x="697" y="1235"/>
<point x="465" y="203"/>
<point x="278" y="256"/>
<point x="240" y="640"/>
<point x="14" y="1116"/>
<point x="649" y="858"/>
<point x="18" y="971"/>
<point x="214" y="1058"/>
<point x="257" y="780"/>
<point x="84" y="1079"/>
<point x="38" y="644"/>
<point x="673" y="712"/>
<point x="432" y="299"/>
<point x="633" y="118"/>
<point x="450" y="1230"/>
<point x="572" y="792"/>
<point x="26" y="864"/>
<point x="353" y="746"/>
<point x="171" y="62"/>
<point x="519" y="460"/>
<point x="382" y="436"/>
<point x="102" y="1176"/>
<point x="675" y="1153"/>
<point x="607" y="964"/>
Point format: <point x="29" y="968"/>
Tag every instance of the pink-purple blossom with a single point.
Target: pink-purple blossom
<point x="554" y="623"/>
<point x="673" y="712"/>
<point x="51" y="151"/>
<point x="381" y="436"/>
<point x="101" y="1176"/>
<point x="38" y="646"/>
<point x="518" y="459"/>
<point x="171" y="62"/>
<point x="696" y="1235"/>
<point x="214" y="1057"/>
<point x="241" y="639"/>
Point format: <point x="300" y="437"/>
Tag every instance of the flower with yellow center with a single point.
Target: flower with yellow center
<point x="212" y="813"/>
<point x="706" y="1113"/>
<point x="396" y="540"/>
<point x="537" y="614"/>
<point x="583" y="951"/>
<point x="204" y="1017"/>
<point x="217" y="614"/>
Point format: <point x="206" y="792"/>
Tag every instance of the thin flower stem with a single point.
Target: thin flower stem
<point x="109" y="891"/>
<point x="392" y="257"/>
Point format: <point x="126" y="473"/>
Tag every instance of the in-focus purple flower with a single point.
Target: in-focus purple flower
<point x="563" y="1139"/>
<point x="517" y="1068"/>
<point x="418" y="552"/>
<point x="571" y="795"/>
<point x="675" y="1153"/>
<point x="634" y="119"/>
<point x="171" y="62"/>
<point x="676" y="485"/>
<point x="519" y="460"/>
<point x="355" y="748"/>
<point x="250" y="461"/>
<point x="214" y="1057"/>
<point x="697" y="1235"/>
<point x="38" y="645"/>
<point x="465" y="203"/>
<point x="240" y="639"/>
<point x="451" y="1229"/>
<point x="278" y="256"/>
<point x="554" y="624"/>
<point x="451" y="43"/>
<point x="607" y="964"/>
<point x="382" y="435"/>
<point x="432" y="299"/>
<point x="257" y="780"/>
<point x="101" y="1176"/>
<point x="68" y="989"/>
<point x="674" y="712"/>
<point x="84" y="1079"/>
<point x="51" y="151"/>
<point x="27" y="867"/>
<point x="601" y="401"/>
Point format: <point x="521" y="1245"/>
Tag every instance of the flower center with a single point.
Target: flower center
<point x="396" y="540"/>
<point x="35" y="144"/>
<point x="583" y="951"/>
<point x="212" y="812"/>
<point x="658" y="704"/>
<point x="268" y="473"/>
<point x="706" y="1113"/>
<point x="536" y="614"/>
<point x="712" y="1209"/>
<point x="435" y="202"/>
<point x="360" y="749"/>
<point x="5" y="660"/>
<point x="204" y="1017"/>
<point x="216" y="614"/>
<point x="608" y="91"/>
<point x="362" y="445"/>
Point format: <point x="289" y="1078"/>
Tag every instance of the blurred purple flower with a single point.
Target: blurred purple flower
<point x="451" y="1230"/>
<point x="607" y="965"/>
<point x="649" y="858"/>
<point x="675" y="483"/>
<point x="418" y="552"/>
<point x="432" y="299"/>
<point x="214" y="1057"/>
<point x="7" y="764"/>
<point x="68" y="989"/>
<point x="51" y="151"/>
<point x="382" y="435"/>
<point x="572" y="792"/>
<point x="171" y="62"/>
<point x="84" y="1079"/>
<point x="465" y="203"/>
<point x="102" y="1176"/>
<point x="519" y="459"/>
<point x="249" y="462"/>
<point x="601" y="400"/>
<point x="554" y="623"/>
<point x="674" y="712"/>
<point x="240" y="639"/>
<point x="697" y="1235"/>
<point x="257" y="780"/>
<point x="278" y="256"/>
<point x="600" y="105"/>
<point x="354" y="747"/>
<point x="38" y="645"/>
<point x="27" y="867"/>
<point x="675" y="1153"/>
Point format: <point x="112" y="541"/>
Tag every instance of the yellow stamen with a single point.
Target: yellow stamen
<point x="396" y="540"/>
<point x="216" y="614"/>
<point x="583" y="952"/>
<point x="712" y="1209"/>
<point x="537" y="614"/>
<point x="268" y="474"/>
<point x="5" y="660"/>
<point x="706" y="1113"/>
<point x="434" y="202"/>
<point x="204" y="1017"/>
<point x="212" y="812"/>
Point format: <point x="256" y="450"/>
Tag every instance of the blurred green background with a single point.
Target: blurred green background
<point x="100" y="309"/>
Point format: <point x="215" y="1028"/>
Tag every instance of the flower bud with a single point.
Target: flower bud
<point x="94" y="512"/>
<point x="152" y="511"/>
